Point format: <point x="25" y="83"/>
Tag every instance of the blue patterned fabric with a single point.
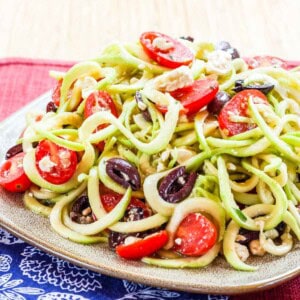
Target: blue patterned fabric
<point x="29" y="273"/>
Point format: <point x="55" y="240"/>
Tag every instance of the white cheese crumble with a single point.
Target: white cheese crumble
<point x="162" y="44"/>
<point x="87" y="84"/>
<point x="178" y="241"/>
<point x="173" y="80"/>
<point x="64" y="158"/>
<point x="131" y="240"/>
<point x="46" y="164"/>
<point x="184" y="154"/>
<point x="218" y="62"/>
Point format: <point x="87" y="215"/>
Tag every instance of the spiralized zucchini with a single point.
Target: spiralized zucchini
<point x="248" y="181"/>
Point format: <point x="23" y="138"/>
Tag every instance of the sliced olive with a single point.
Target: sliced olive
<point x="188" y="38"/>
<point x="215" y="106"/>
<point x="14" y="150"/>
<point x="248" y="236"/>
<point x="80" y="204"/>
<point x="177" y="185"/>
<point x="51" y="107"/>
<point x="265" y="88"/>
<point x="142" y="106"/>
<point x="122" y="172"/>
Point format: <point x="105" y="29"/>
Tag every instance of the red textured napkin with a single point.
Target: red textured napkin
<point x="22" y="80"/>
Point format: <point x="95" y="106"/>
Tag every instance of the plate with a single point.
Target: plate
<point x="218" y="278"/>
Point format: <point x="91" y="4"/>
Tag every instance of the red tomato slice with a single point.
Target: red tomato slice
<point x="195" y="235"/>
<point x="238" y="106"/>
<point x="266" y="61"/>
<point x="56" y="93"/>
<point x="111" y="199"/>
<point x="12" y="175"/>
<point x="176" y="56"/>
<point x="55" y="164"/>
<point x="143" y="247"/>
<point x="98" y="101"/>
<point x="198" y="95"/>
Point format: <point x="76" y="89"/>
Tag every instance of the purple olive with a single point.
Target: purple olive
<point x="51" y="107"/>
<point x="14" y="150"/>
<point x="214" y="107"/>
<point x="133" y="214"/>
<point x="264" y="88"/>
<point x="280" y="228"/>
<point x="188" y="38"/>
<point x="177" y="185"/>
<point x="142" y="106"/>
<point x="122" y="172"/>
<point x="248" y="235"/>
<point x="80" y="204"/>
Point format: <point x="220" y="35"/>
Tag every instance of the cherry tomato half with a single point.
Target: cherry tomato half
<point x="195" y="235"/>
<point x="198" y="95"/>
<point x="238" y="106"/>
<point x="175" y="56"/>
<point x="55" y="164"/>
<point x="111" y="199"/>
<point x="266" y="61"/>
<point x="98" y="101"/>
<point x="143" y="247"/>
<point x="56" y="93"/>
<point x="12" y="175"/>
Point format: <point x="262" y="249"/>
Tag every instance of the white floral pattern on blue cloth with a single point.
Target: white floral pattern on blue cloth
<point x="28" y="273"/>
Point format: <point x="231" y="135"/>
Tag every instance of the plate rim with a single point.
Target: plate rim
<point x="255" y="286"/>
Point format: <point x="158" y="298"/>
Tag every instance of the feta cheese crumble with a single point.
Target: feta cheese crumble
<point x="162" y="44"/>
<point x="46" y="164"/>
<point x="218" y="62"/>
<point x="174" y="80"/>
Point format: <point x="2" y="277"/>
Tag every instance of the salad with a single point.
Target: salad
<point x="172" y="151"/>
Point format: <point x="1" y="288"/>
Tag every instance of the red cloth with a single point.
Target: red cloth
<point x="22" y="80"/>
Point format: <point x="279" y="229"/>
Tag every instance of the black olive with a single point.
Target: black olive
<point x="188" y="38"/>
<point x="238" y="85"/>
<point x="14" y="150"/>
<point x="233" y="52"/>
<point x="248" y="235"/>
<point x="80" y="204"/>
<point x="264" y="88"/>
<point x="122" y="172"/>
<point x="280" y="228"/>
<point x="51" y="107"/>
<point x="177" y="185"/>
<point x="133" y="214"/>
<point x="216" y="105"/>
<point x="142" y="106"/>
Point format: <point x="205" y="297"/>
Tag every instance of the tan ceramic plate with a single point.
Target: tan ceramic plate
<point x="218" y="278"/>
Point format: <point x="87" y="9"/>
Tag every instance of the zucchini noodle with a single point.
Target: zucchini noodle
<point x="245" y="181"/>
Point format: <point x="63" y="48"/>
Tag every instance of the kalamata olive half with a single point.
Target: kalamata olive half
<point x="188" y="38"/>
<point x="14" y="150"/>
<point x="51" y="107"/>
<point x="80" y="204"/>
<point x="238" y="85"/>
<point x="122" y="172"/>
<point x="142" y="106"/>
<point x="248" y="236"/>
<point x="215" y="106"/>
<point x="177" y="185"/>
<point x="264" y="88"/>
<point x="133" y="214"/>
